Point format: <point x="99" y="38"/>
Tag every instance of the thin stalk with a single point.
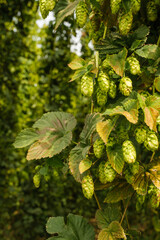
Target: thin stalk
<point x="158" y="42"/>
<point x="152" y="156"/>
<point x="99" y="206"/>
<point x="153" y="89"/>
<point x="105" y="31"/>
<point x="125" y="211"/>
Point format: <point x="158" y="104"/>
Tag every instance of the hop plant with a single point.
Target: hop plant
<point x="103" y="82"/>
<point x="95" y="21"/>
<point x="129" y="151"/>
<point x="125" y="22"/>
<point x="105" y="63"/>
<point x="87" y="85"/>
<point x="152" y="11"/>
<point x="154" y="200"/>
<point x="81" y="14"/>
<point x="140" y="134"/>
<point x="50" y="4"/>
<point x="98" y="148"/>
<point x="112" y="89"/>
<point x="151" y="142"/>
<point x="111" y="141"/>
<point x="141" y="198"/>
<point x="136" y="5"/>
<point x="115" y="5"/>
<point x="134" y="167"/>
<point x="134" y="65"/>
<point x="125" y="86"/>
<point x="37" y="180"/>
<point x="158" y="120"/>
<point x="106" y="172"/>
<point x="43" y="9"/>
<point x="87" y="186"/>
<point x="101" y="97"/>
<point x="129" y="176"/>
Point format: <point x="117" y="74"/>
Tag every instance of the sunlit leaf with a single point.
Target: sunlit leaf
<point x="115" y="157"/>
<point x="140" y="183"/>
<point x="25" y="138"/>
<point x="155" y="175"/>
<point x="157" y="83"/>
<point x="150" y="51"/>
<point x="84" y="165"/>
<point x="78" y="74"/>
<point x="77" y="63"/>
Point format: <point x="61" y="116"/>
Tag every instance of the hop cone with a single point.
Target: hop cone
<point x="134" y="167"/>
<point x="50" y="4"/>
<point x="36" y="180"/>
<point x="105" y="63"/>
<point x="43" y="9"/>
<point x="99" y="148"/>
<point x="129" y="151"/>
<point x="87" y="85"/>
<point x="152" y="11"/>
<point x="115" y="5"/>
<point x="151" y="142"/>
<point x="125" y="22"/>
<point x="125" y="86"/>
<point x="106" y="172"/>
<point x="134" y="65"/>
<point x="112" y="89"/>
<point x="103" y="82"/>
<point x="88" y="186"/>
<point x="154" y="200"/>
<point x="95" y="21"/>
<point x="136" y="5"/>
<point x="81" y="14"/>
<point x="129" y="176"/>
<point x="101" y="97"/>
<point x="140" y="134"/>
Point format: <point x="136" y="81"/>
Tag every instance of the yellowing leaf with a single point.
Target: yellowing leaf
<point x="140" y="183"/>
<point x="155" y="175"/>
<point x="84" y="165"/>
<point x="77" y="63"/>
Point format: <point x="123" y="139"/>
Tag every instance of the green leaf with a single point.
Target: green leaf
<point x="117" y="61"/>
<point x="80" y="228"/>
<point x="77" y="63"/>
<point x="115" y="157"/>
<point x="157" y="83"/>
<point x="110" y="213"/>
<point x="90" y="126"/>
<point x="55" y="225"/>
<point x="154" y="174"/>
<point x="61" y="4"/>
<point x="79" y="73"/>
<point x="77" y="154"/>
<point x="121" y="191"/>
<point x="113" y="232"/>
<point x="150" y="51"/>
<point x="105" y="128"/>
<point x="54" y="134"/>
<point x="151" y="108"/>
<point x="25" y="138"/>
<point x="140" y="183"/>
<point x="84" y="165"/>
<point x="139" y="37"/>
<point x="66" y="12"/>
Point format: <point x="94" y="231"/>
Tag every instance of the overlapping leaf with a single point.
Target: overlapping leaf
<point x="150" y="51"/>
<point x="26" y="137"/>
<point x="77" y="63"/>
<point x="155" y="175"/>
<point x="140" y="183"/>
<point x="84" y="165"/>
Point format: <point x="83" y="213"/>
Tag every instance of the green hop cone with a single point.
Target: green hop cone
<point x="125" y="86"/>
<point x="106" y="172"/>
<point x="98" y="148"/>
<point x="112" y="89"/>
<point x="125" y="22"/>
<point x="129" y="151"/>
<point x="134" y="65"/>
<point x="87" y="85"/>
<point x="140" y="134"/>
<point x="81" y="14"/>
<point x="134" y="167"/>
<point x="115" y="5"/>
<point x="154" y="201"/>
<point x="101" y="97"/>
<point x="136" y="5"/>
<point x="50" y="4"/>
<point x="103" y="82"/>
<point x="129" y="176"/>
<point x="43" y="9"/>
<point x="151" y="142"/>
<point x="37" y="180"/>
<point x="152" y="13"/>
<point x="88" y="186"/>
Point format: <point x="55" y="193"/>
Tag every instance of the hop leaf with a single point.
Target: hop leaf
<point x="134" y="168"/>
<point x="112" y="89"/>
<point x="115" y="5"/>
<point x="158" y="120"/>
<point x="152" y="11"/>
<point x="101" y="97"/>
<point x="81" y="14"/>
<point x="43" y="9"/>
<point x="136" y="5"/>
<point x="105" y="63"/>
<point x="87" y="85"/>
<point x="154" y="200"/>
<point x="140" y="134"/>
<point x="134" y="65"/>
<point x="129" y="176"/>
<point x="129" y="151"/>
<point x="125" y="22"/>
<point x="125" y="86"/>
<point x="103" y="82"/>
<point x="151" y="142"/>
<point x="37" y="180"/>
<point x="88" y="186"/>
<point x="106" y="172"/>
<point x="99" y="148"/>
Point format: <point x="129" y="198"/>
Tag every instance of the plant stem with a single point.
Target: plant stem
<point x="99" y="206"/>
<point x="152" y="156"/>
<point x="105" y="31"/>
<point x="125" y="211"/>
<point x="158" y="42"/>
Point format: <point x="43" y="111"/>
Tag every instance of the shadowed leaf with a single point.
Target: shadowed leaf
<point x="115" y="157"/>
